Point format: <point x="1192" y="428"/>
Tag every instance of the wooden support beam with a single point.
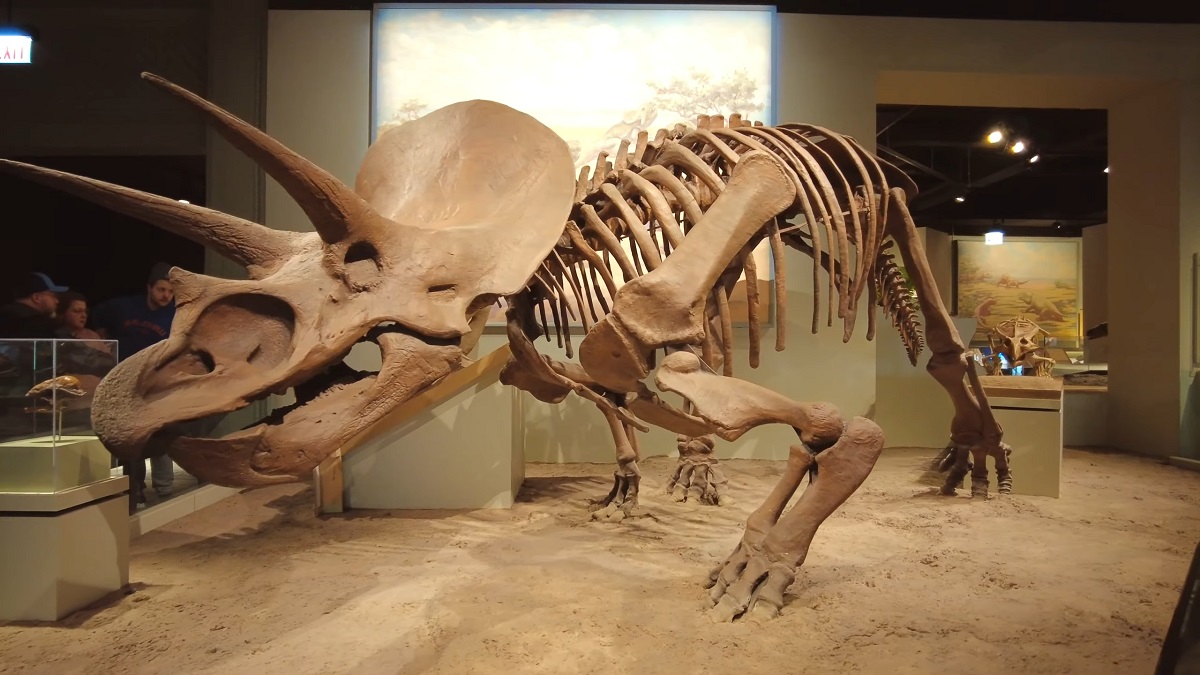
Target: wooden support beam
<point x="328" y="484"/>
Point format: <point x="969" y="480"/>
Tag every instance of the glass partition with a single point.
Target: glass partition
<point x="46" y="391"/>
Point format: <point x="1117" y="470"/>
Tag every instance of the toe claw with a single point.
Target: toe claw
<point x="621" y="500"/>
<point x="748" y="584"/>
<point x="726" y="610"/>
<point x="761" y="612"/>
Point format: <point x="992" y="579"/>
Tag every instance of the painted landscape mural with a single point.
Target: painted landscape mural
<point x="1036" y="280"/>
<point x="543" y="61"/>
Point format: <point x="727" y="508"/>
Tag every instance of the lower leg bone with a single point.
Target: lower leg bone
<point x="1003" y="473"/>
<point x="979" y="474"/>
<point x="973" y="424"/>
<point x="756" y="576"/>
<point x="622" y="499"/>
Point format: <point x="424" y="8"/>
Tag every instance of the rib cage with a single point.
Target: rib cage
<point x="650" y="196"/>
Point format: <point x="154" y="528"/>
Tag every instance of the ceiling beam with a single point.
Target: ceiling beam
<point x="896" y="119"/>
<point x="924" y="168"/>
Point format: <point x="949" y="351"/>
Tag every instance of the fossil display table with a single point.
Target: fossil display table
<point x="1030" y="409"/>
<point x="64" y="529"/>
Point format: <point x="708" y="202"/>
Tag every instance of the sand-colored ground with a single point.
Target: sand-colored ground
<point x="898" y="582"/>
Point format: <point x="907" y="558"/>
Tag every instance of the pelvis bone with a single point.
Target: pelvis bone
<point x="448" y="213"/>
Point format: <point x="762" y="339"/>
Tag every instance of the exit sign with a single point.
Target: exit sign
<point x="16" y="49"/>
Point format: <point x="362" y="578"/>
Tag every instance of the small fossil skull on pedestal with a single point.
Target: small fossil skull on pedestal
<point x="1022" y="342"/>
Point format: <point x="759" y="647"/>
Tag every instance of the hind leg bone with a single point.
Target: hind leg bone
<point x="698" y="476"/>
<point x="973" y="430"/>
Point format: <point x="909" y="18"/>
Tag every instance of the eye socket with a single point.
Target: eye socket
<point x="361" y="265"/>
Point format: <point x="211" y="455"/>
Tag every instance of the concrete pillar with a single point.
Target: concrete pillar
<point x="1188" y="259"/>
<point x="237" y="51"/>
<point x="237" y="82"/>
<point x="1146" y="281"/>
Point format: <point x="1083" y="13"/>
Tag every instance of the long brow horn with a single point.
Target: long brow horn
<point x="260" y="249"/>
<point x="333" y="208"/>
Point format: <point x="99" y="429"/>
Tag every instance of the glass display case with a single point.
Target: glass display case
<point x="46" y="390"/>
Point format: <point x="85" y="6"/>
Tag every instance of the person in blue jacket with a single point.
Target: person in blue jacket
<point x="136" y="322"/>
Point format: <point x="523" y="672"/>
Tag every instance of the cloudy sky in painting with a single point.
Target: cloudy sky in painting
<point x="579" y="71"/>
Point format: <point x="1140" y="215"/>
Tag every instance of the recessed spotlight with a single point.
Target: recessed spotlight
<point x="1034" y="158"/>
<point x="960" y="199"/>
<point x="995" y="137"/>
<point x="1017" y="147"/>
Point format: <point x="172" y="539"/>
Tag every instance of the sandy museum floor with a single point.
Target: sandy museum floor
<point x="899" y="582"/>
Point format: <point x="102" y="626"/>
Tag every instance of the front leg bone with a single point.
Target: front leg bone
<point x="666" y="306"/>
<point x="623" y="498"/>
<point x="753" y="579"/>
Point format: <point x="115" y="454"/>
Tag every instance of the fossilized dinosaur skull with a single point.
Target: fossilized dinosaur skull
<point x="449" y="212"/>
<point x="1017" y="338"/>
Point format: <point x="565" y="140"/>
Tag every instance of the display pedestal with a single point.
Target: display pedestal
<point x="62" y="550"/>
<point x="52" y="463"/>
<point x="1085" y="416"/>
<point x="466" y="452"/>
<point x="1030" y="411"/>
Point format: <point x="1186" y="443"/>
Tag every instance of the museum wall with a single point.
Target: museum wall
<point x="833" y="71"/>
<point x="1095" y="288"/>
<point x="1147" y="76"/>
<point x="83" y="96"/>
<point x="1189" y="250"/>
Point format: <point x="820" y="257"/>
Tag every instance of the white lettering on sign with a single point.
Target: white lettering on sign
<point x="16" y="49"/>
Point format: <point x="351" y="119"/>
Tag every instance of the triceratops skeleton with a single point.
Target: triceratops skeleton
<point x="476" y="202"/>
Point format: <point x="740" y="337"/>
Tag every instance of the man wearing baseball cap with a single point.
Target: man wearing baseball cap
<point x="31" y="314"/>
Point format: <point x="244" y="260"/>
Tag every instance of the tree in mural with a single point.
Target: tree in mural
<point x="406" y="112"/>
<point x="575" y="149"/>
<point x="409" y="111"/>
<point x="681" y="98"/>
<point x="699" y="94"/>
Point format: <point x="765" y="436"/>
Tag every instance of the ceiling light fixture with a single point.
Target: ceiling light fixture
<point x="184" y="201"/>
<point x="960" y="199"/>
<point x="995" y="137"/>
<point x="994" y="238"/>
<point x="1106" y="169"/>
<point x="1034" y="158"/>
<point x="16" y="45"/>
<point x="1017" y="147"/>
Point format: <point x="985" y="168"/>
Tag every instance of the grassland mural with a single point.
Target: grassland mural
<point x="1038" y="280"/>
